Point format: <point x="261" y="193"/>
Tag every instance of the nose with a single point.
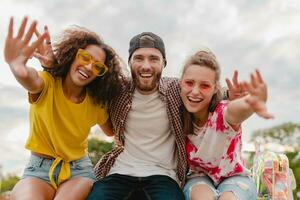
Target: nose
<point x="89" y="66"/>
<point x="146" y="64"/>
<point x="195" y="89"/>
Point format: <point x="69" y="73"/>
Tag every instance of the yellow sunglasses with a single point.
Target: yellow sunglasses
<point x="84" y="58"/>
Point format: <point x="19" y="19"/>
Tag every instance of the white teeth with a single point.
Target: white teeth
<point x="83" y="73"/>
<point x="195" y="99"/>
<point x="145" y="75"/>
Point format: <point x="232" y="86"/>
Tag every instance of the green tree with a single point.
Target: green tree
<point x="8" y="182"/>
<point x="97" y="148"/>
<point x="287" y="133"/>
<point x="294" y="162"/>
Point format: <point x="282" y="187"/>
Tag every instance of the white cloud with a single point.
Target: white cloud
<point x="13" y="108"/>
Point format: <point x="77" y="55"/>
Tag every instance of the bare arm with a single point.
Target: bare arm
<point x="240" y="109"/>
<point x="17" y="51"/>
<point x="107" y="128"/>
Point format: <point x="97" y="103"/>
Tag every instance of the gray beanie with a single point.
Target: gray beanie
<point x="151" y="41"/>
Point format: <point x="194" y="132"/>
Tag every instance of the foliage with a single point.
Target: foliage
<point x="294" y="162"/>
<point x="98" y="148"/>
<point x="287" y="133"/>
<point x="8" y="182"/>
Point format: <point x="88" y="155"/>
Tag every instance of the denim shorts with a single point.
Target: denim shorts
<point x="242" y="187"/>
<point x="39" y="167"/>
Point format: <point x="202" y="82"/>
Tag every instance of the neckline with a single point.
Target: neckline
<point x="68" y="100"/>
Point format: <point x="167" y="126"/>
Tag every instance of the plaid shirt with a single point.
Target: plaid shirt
<point x="120" y="107"/>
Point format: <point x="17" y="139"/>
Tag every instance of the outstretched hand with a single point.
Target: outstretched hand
<point x="258" y="94"/>
<point x="44" y="52"/>
<point x="235" y="89"/>
<point x="17" y="49"/>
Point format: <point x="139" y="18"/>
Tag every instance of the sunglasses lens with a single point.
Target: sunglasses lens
<point x="99" y="69"/>
<point x="84" y="58"/>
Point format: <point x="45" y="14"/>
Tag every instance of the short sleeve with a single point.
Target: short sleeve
<point x="48" y="80"/>
<point x="221" y="124"/>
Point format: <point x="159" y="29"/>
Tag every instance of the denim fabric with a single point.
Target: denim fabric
<point x="121" y="187"/>
<point x="242" y="186"/>
<point x="38" y="167"/>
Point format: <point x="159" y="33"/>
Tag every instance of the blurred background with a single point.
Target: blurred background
<point x="244" y="35"/>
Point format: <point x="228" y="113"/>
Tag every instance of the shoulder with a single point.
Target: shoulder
<point x="170" y="89"/>
<point x="217" y="118"/>
<point x="169" y="84"/>
<point x="49" y="82"/>
<point x="45" y="75"/>
<point x="47" y="78"/>
<point x="221" y="106"/>
<point x="127" y="84"/>
<point x="170" y="80"/>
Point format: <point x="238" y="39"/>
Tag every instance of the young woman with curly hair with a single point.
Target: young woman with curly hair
<point x="66" y="100"/>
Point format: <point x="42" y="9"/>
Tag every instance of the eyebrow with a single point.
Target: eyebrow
<point x="151" y="55"/>
<point x="138" y="55"/>
<point x="202" y="81"/>
<point x="154" y="56"/>
<point x="93" y="57"/>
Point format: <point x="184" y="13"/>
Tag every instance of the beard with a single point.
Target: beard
<point x="143" y="86"/>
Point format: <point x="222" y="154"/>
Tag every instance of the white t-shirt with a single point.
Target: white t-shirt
<point x="216" y="148"/>
<point x="149" y="145"/>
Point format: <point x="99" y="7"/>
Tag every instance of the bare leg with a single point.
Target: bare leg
<point x="227" y="196"/>
<point x="75" y="189"/>
<point x="32" y="188"/>
<point x="201" y="192"/>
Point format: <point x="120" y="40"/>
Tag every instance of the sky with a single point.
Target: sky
<point x="244" y="35"/>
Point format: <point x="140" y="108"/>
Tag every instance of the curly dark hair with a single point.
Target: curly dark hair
<point x="103" y="89"/>
<point x="208" y="59"/>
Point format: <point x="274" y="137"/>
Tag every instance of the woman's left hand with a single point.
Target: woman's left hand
<point x="258" y="94"/>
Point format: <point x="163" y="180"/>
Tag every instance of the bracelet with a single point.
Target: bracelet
<point x="226" y="94"/>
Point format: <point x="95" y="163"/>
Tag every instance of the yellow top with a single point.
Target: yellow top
<point x="59" y="127"/>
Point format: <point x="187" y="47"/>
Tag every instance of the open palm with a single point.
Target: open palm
<point x="257" y="95"/>
<point x="17" y="50"/>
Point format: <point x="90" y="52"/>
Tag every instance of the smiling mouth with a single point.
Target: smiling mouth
<point x="145" y="75"/>
<point x="82" y="73"/>
<point x="194" y="100"/>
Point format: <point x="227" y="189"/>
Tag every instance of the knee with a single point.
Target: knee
<point x="201" y="191"/>
<point x="228" y="196"/>
<point x="26" y="197"/>
<point x="17" y="194"/>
